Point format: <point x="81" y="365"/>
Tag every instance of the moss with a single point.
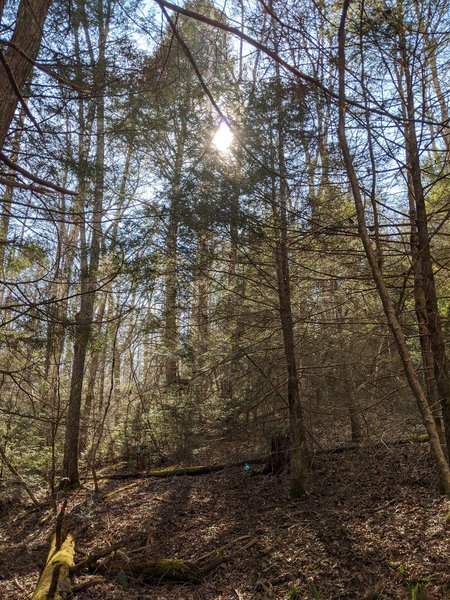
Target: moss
<point x="169" y="565"/>
<point x="122" y="489"/>
<point x="172" y="471"/>
<point x="423" y="437"/>
<point x="417" y="590"/>
<point x="294" y="592"/>
<point x="64" y="557"/>
<point x="166" y="568"/>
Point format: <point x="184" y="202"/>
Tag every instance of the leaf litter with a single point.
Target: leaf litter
<point x="372" y="527"/>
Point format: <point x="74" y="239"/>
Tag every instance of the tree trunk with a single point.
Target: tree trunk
<point x="171" y="296"/>
<point x="299" y="449"/>
<point x="89" y="259"/>
<point x="388" y="306"/>
<point x="431" y="325"/>
<point x="16" y="69"/>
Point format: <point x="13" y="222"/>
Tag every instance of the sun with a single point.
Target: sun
<point x="223" y="137"/>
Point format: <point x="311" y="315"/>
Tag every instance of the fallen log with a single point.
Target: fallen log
<point x="415" y="439"/>
<point x="86" y="584"/>
<point x="156" y="571"/>
<point x="189" y="471"/>
<point x="153" y="571"/>
<point x="276" y="453"/>
<point x="54" y="583"/>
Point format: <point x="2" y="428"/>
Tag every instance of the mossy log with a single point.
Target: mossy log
<point x="155" y="570"/>
<point x="123" y="489"/>
<point x="179" y="471"/>
<point x="152" y="570"/>
<point x="54" y="583"/>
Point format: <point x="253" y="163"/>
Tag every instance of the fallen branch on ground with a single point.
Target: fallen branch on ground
<point x="15" y="472"/>
<point x="153" y="570"/>
<point x="91" y="559"/>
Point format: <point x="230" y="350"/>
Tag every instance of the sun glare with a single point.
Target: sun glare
<point x="223" y="137"/>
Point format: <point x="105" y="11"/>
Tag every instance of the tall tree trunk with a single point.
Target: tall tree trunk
<point x="437" y="449"/>
<point x="432" y="327"/>
<point x="299" y="452"/>
<point x="89" y="258"/>
<point x="171" y="283"/>
<point x="96" y="355"/>
<point x="349" y="393"/>
<point x="15" y="68"/>
<point x="201" y="318"/>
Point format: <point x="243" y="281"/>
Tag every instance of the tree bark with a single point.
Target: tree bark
<point x="299" y="452"/>
<point x="171" y="296"/>
<point x="54" y="583"/>
<point x="15" y="68"/>
<point x="431" y="325"/>
<point x="89" y="259"/>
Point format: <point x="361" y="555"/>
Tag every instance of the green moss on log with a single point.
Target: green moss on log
<point x="123" y="489"/>
<point x="167" y="567"/>
<point x="174" y="471"/>
<point x="160" y="570"/>
<point x="63" y="559"/>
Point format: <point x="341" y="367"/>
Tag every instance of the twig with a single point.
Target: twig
<point x="92" y="558"/>
<point x="86" y="584"/>
<point x="216" y="550"/>
<point x="19" y="585"/>
<point x="53" y="186"/>
<point x="215" y="562"/>
<point x="15" y="472"/>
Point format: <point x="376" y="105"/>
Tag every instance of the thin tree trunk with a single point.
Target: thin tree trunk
<point x="171" y="295"/>
<point x="299" y="452"/>
<point x="432" y="327"/>
<point x="90" y="259"/>
<point x="8" y="197"/>
<point x="388" y="306"/>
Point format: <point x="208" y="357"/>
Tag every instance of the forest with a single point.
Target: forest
<point x="225" y="299"/>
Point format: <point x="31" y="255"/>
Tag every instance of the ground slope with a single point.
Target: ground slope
<point x="373" y="526"/>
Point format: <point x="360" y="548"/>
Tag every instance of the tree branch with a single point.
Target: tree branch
<point x="53" y="186"/>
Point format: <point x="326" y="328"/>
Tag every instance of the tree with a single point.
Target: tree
<point x="18" y="60"/>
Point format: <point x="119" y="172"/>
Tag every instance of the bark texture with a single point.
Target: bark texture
<point x="15" y="69"/>
<point x="54" y="583"/>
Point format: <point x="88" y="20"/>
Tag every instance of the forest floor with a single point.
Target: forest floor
<point x="372" y="526"/>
